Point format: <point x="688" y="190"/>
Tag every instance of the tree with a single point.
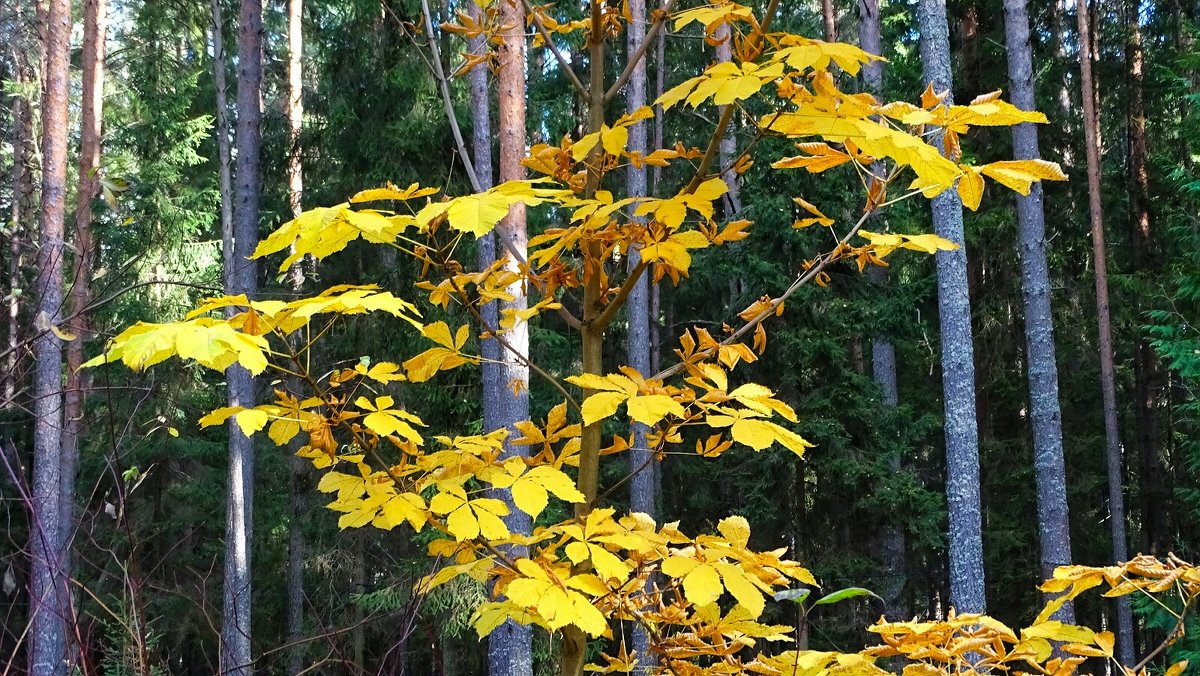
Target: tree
<point x="510" y="649"/>
<point x="1108" y="387"/>
<point x="958" y="367"/>
<point x="578" y="575"/>
<point x="1054" y="522"/>
<point x="883" y="352"/>
<point x="94" y="38"/>
<point x="295" y="171"/>
<point x="48" y="589"/>
<point x="242" y="279"/>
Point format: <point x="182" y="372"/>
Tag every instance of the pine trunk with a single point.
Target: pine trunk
<point x="1054" y="523"/>
<point x="1108" y="387"/>
<point x="1148" y="379"/>
<point x="958" y="366"/>
<point x="510" y="646"/>
<point x="242" y="278"/>
<point x="295" y="279"/>
<point x="727" y="154"/>
<point x="49" y="590"/>
<point x="642" y="495"/>
<point x="892" y="539"/>
<point x="20" y="211"/>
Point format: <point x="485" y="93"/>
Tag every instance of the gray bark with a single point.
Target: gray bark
<point x="1054" y="522"/>
<point x="727" y="150"/>
<point x="1108" y="387"/>
<point x="642" y="494"/>
<point x="893" y="539"/>
<point x="510" y="647"/>
<point x="958" y="367"/>
<point x="224" y="174"/>
<point x="295" y="278"/>
<point x="20" y="209"/>
<point x="481" y="116"/>
<point x="49" y="590"/>
<point x="243" y="278"/>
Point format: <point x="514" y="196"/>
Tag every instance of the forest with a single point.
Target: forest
<point x="607" y="336"/>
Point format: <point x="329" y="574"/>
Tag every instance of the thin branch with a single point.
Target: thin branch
<point x="714" y="143"/>
<point x="655" y="27"/>
<point x="447" y="101"/>
<point x="558" y="56"/>
<point x="803" y="280"/>
<point x="610" y="310"/>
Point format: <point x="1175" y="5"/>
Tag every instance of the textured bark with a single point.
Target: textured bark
<point x="642" y="495"/>
<point x="48" y="588"/>
<point x="728" y="148"/>
<point x="1054" y="523"/>
<point x="295" y="279"/>
<point x="224" y="173"/>
<point x="958" y="367"/>
<point x="1116" y="496"/>
<point x="510" y="646"/>
<point x="893" y="539"/>
<point x="243" y="279"/>
<point x="20" y="210"/>
<point x="92" y="104"/>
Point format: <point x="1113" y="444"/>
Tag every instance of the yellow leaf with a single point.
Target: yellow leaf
<point x="601" y="405"/>
<point x="1177" y="669"/>
<point x="702" y="585"/>
<point x="735" y="529"/>
<point x="1057" y="631"/>
<point x="970" y="188"/>
<point x="251" y="420"/>
<point x="650" y="409"/>
<point x="1019" y="175"/>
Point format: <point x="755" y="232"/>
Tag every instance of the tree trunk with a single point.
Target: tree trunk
<point x="1148" y="379"/>
<point x="295" y="278"/>
<point x="727" y="152"/>
<point x="224" y="176"/>
<point x="20" y="209"/>
<point x="642" y="495"/>
<point x="1116" y="496"/>
<point x="510" y="646"/>
<point x="1054" y="523"/>
<point x="958" y="367"/>
<point x="94" y="37"/>
<point x="829" y="20"/>
<point x="243" y="279"/>
<point x="49" y="590"/>
<point x="892" y="541"/>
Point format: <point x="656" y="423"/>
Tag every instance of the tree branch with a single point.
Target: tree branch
<point x="558" y="56"/>
<point x="637" y="56"/>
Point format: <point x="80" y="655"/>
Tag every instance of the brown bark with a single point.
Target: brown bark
<point x="829" y="20"/>
<point x="510" y="646"/>
<point x="92" y="57"/>
<point x="1116" y="498"/>
<point x="48" y="589"/>
<point x="1148" y="377"/>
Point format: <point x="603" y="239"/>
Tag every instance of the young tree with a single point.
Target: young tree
<point x="583" y="575"/>
<point x="1108" y="387"/>
<point x="242" y="279"/>
<point x="958" y="361"/>
<point x="1054" y="522"/>
<point x="48" y="589"/>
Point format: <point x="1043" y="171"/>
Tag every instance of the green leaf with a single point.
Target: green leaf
<point x="843" y="594"/>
